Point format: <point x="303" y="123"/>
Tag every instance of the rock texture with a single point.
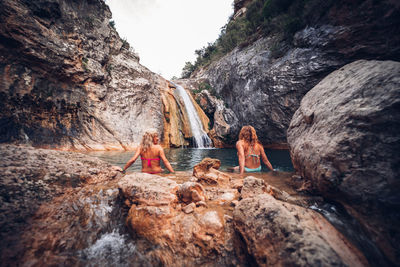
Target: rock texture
<point x="54" y="204"/>
<point x="207" y="172"/>
<point x="182" y="236"/>
<point x="344" y="140"/>
<point x="78" y="211"/>
<point x="281" y="234"/>
<point x="264" y="89"/>
<point x="68" y="81"/>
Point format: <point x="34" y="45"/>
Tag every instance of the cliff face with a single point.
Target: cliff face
<point x="68" y="81"/>
<point x="264" y="89"/>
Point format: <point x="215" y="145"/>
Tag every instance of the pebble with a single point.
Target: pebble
<point x="189" y="208"/>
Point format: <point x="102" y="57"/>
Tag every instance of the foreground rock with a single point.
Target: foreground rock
<point x="179" y="236"/>
<point x="104" y="219"/>
<point x="281" y="234"/>
<point x="55" y="206"/>
<point x="344" y="140"/>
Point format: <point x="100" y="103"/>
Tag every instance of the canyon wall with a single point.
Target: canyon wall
<point x="344" y="140"/>
<point x="264" y="82"/>
<point x="68" y="81"/>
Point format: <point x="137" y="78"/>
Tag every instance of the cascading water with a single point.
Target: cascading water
<point x="200" y="137"/>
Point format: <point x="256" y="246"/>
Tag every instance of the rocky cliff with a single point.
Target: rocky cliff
<point x="67" y="80"/>
<point x="344" y="140"/>
<point x="264" y="82"/>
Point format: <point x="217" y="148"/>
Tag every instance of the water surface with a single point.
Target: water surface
<point x="184" y="159"/>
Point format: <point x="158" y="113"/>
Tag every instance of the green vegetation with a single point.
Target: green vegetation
<point x="280" y="18"/>
<point x="125" y="43"/>
<point x="206" y="86"/>
<point x="84" y="63"/>
<point x="112" y="24"/>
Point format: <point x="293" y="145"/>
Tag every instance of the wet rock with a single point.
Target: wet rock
<point x="149" y="189"/>
<point x="52" y="192"/>
<point x="177" y="234"/>
<point x="344" y="141"/>
<point x="207" y="172"/>
<point x="191" y="192"/>
<point x="274" y="232"/>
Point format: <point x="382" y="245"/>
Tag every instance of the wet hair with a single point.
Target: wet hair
<point x="147" y="140"/>
<point x="248" y="134"/>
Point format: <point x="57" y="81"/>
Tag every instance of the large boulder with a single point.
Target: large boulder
<point x="54" y="206"/>
<point x="184" y="236"/>
<point x="281" y="234"/>
<point x="344" y="140"/>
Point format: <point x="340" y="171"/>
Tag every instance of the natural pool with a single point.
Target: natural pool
<point x="184" y="159"/>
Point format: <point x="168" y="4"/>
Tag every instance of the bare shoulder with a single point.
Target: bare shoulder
<point x="158" y="148"/>
<point x="240" y="143"/>
<point x="260" y="147"/>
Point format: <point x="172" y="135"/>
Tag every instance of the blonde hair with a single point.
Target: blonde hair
<point x="147" y="140"/>
<point x="248" y="134"/>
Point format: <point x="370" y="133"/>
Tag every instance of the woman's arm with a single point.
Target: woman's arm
<point x="265" y="159"/>
<point x="240" y="150"/>
<point x="133" y="159"/>
<point x="165" y="160"/>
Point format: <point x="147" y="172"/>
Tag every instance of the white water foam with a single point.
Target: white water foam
<point x="112" y="249"/>
<point x="200" y="137"/>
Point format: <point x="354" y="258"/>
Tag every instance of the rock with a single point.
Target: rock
<point x="201" y="204"/>
<point x="344" y="141"/>
<point x="264" y="82"/>
<point x="223" y="119"/>
<point x="211" y="222"/>
<point x="205" y="165"/>
<point x="189" y="208"/>
<point x="149" y="189"/>
<point x="55" y="205"/>
<point x="274" y="232"/>
<point x="191" y="192"/>
<point x="206" y="172"/>
<point x="252" y="186"/>
<point x="68" y="81"/>
<point x="176" y="234"/>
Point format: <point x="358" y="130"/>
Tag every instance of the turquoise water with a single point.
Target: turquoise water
<point x="184" y="159"/>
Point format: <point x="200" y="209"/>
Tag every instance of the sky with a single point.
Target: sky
<point x="165" y="33"/>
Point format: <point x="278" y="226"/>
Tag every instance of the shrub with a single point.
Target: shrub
<point x="281" y="18"/>
<point x="112" y="24"/>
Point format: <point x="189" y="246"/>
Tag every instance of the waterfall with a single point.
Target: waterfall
<point x="200" y="137"/>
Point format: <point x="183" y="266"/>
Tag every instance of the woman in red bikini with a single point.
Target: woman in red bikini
<point x="150" y="153"/>
<point x="250" y="151"/>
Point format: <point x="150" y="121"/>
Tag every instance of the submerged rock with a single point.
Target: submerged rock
<point x="344" y="140"/>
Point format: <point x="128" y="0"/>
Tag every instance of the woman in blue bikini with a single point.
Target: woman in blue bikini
<point x="150" y="153"/>
<point x="250" y="150"/>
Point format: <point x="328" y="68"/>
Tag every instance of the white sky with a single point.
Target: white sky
<point x="165" y="33"/>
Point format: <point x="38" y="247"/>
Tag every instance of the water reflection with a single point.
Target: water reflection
<point x="184" y="159"/>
